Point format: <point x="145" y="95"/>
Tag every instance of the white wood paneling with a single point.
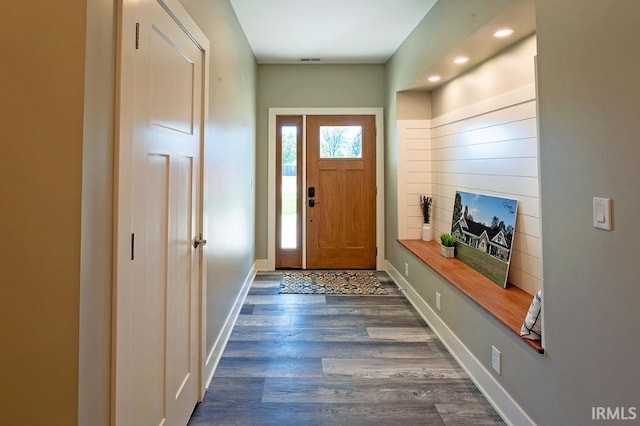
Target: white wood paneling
<point x="507" y="185"/>
<point x="418" y="177"/>
<point x="488" y="123"/>
<point x="489" y="148"/>
<point x="524" y="167"/>
<point x="414" y="174"/>
<point x="470" y="135"/>
<point x="502" y="149"/>
<point x="528" y="244"/>
<point x="514" y="97"/>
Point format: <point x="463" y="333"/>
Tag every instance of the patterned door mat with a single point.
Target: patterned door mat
<point x="330" y="282"/>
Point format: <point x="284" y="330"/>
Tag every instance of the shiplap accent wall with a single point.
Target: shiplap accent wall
<point x="491" y="148"/>
<point x="414" y="174"/>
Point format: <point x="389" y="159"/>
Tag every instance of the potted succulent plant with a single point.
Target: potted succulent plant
<point x="425" y="205"/>
<point x="447" y="249"/>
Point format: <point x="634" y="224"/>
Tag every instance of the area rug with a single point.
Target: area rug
<point x="330" y="282"/>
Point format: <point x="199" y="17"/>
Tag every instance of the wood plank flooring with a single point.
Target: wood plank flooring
<point x="337" y="360"/>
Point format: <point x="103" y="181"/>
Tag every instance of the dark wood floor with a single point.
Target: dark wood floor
<point x="337" y="360"/>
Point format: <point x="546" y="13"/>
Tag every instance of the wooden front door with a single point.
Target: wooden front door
<point x="341" y="192"/>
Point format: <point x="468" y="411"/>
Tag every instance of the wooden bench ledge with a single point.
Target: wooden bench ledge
<point x="509" y="306"/>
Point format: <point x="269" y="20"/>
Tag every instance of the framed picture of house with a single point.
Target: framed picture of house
<point x="484" y="227"/>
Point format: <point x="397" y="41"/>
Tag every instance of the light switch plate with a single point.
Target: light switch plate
<point x="602" y="213"/>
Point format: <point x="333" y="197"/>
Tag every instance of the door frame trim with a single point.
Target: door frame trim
<point x="123" y="202"/>
<point x="271" y="191"/>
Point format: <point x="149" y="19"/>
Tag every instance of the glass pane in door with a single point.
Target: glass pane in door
<point x="289" y="189"/>
<point x="340" y="141"/>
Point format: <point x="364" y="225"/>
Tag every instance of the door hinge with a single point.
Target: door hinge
<point x="133" y="246"/>
<point x="376" y="251"/>
<point x="137" y="35"/>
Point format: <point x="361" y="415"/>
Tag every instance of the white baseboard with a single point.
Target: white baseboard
<point x="213" y="357"/>
<point x="262" y="265"/>
<point x="496" y="395"/>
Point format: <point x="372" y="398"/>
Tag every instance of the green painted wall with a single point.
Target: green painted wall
<point x="588" y="123"/>
<point x="229" y="159"/>
<point x="588" y="67"/>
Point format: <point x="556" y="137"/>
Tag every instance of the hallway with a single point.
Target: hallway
<point x="329" y="360"/>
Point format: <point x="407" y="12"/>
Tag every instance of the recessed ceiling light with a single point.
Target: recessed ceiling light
<point x="505" y="32"/>
<point x="434" y="78"/>
<point x="461" y="60"/>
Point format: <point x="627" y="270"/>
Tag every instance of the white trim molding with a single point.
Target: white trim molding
<point x="496" y="395"/>
<point x="214" y="355"/>
<point x="262" y="265"/>
<point x="271" y="191"/>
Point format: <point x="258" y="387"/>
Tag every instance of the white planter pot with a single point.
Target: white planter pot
<point x="448" y="252"/>
<point x="426" y="232"/>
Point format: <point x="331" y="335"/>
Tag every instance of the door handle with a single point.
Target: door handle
<point x="199" y="241"/>
<point x="313" y="203"/>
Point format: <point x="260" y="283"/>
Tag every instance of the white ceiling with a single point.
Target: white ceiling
<point x="370" y="31"/>
<point x="334" y="31"/>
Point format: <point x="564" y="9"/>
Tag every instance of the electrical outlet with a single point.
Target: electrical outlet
<point x="438" y="301"/>
<point x="496" y="360"/>
<point x="406" y="269"/>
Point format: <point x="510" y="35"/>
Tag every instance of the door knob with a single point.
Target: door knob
<point x="199" y="241"/>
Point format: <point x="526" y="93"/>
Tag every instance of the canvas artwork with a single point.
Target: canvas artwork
<point x="484" y="227"/>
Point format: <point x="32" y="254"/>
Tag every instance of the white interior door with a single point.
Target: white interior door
<point x="163" y="345"/>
